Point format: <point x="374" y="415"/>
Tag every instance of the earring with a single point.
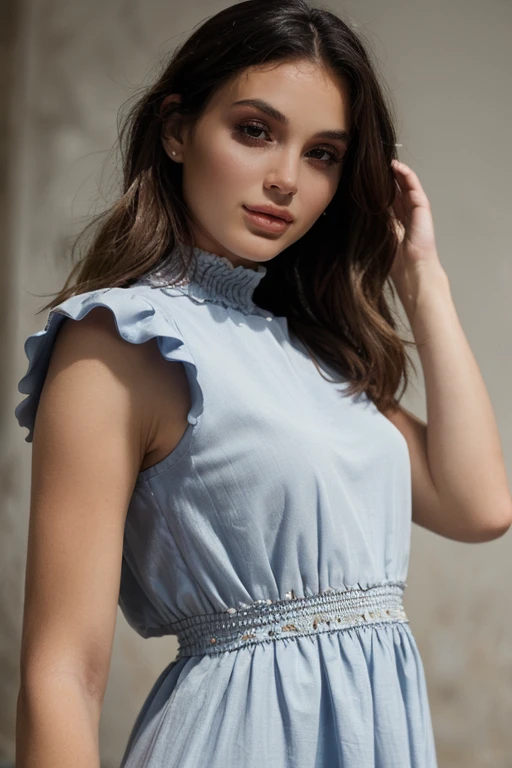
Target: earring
<point x="173" y="152"/>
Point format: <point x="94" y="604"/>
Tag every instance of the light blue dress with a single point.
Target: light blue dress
<point x="273" y="542"/>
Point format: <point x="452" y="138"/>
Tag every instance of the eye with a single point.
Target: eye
<point x="332" y="156"/>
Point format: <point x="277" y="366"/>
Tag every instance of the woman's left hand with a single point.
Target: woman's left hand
<point x="416" y="254"/>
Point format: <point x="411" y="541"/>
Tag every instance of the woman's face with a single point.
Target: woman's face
<point x="239" y="155"/>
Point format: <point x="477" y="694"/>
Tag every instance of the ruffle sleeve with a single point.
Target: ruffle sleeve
<point x="138" y="318"/>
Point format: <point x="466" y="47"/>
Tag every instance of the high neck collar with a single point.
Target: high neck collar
<point x="211" y="277"/>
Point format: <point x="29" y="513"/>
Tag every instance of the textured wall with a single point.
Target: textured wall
<point x="448" y="65"/>
<point x="12" y="523"/>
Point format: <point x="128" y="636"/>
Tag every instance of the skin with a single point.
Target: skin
<point x="281" y="165"/>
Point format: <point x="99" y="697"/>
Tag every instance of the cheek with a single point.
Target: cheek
<point x="315" y="197"/>
<point x="216" y="179"/>
<point x="223" y="164"/>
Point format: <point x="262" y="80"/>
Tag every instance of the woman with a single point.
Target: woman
<point x="194" y="455"/>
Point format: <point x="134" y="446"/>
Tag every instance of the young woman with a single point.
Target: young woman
<point x="217" y="444"/>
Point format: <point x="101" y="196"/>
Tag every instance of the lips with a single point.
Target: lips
<point x="268" y="210"/>
<point x="266" y="222"/>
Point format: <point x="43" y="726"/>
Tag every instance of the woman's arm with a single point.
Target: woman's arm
<point x="460" y="487"/>
<point x="91" y="434"/>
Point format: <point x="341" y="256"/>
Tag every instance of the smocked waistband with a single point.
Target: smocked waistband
<point x="267" y="621"/>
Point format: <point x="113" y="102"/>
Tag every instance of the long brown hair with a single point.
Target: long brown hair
<point x="331" y="283"/>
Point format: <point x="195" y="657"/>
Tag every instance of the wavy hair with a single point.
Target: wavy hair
<point x="331" y="283"/>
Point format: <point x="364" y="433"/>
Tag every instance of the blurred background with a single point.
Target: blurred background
<point x="67" y="67"/>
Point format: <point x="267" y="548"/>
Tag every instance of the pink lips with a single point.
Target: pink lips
<point x="272" y="210"/>
<point x="266" y="221"/>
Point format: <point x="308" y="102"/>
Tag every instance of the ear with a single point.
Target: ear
<point x="172" y="140"/>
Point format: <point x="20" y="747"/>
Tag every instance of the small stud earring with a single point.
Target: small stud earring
<point x="173" y="152"/>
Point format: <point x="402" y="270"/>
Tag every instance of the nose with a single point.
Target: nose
<point x="285" y="175"/>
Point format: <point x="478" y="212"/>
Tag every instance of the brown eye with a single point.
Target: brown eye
<point x="332" y="156"/>
<point x="254" y="126"/>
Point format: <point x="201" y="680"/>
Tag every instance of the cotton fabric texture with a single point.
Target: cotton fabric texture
<point x="283" y="499"/>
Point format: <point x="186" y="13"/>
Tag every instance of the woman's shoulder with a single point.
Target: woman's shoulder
<point x="135" y="298"/>
<point x="139" y="314"/>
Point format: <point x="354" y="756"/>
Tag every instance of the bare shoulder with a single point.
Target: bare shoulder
<point x="157" y="389"/>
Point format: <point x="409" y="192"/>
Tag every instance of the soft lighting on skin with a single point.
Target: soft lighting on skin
<point x="292" y="157"/>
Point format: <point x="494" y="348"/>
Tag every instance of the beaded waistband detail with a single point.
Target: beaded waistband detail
<point x="267" y="620"/>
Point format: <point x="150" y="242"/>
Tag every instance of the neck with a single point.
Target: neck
<point x="215" y="278"/>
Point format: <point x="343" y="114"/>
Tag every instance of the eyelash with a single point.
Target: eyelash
<point x="333" y="156"/>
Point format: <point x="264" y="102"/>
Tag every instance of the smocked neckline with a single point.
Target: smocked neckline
<point x="214" y="278"/>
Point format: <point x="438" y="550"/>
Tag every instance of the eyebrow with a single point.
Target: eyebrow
<point x="264" y="106"/>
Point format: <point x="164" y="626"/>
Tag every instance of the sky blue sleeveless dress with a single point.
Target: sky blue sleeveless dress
<point x="273" y="541"/>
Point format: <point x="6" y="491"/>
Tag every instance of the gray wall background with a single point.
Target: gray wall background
<point x="66" y="69"/>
